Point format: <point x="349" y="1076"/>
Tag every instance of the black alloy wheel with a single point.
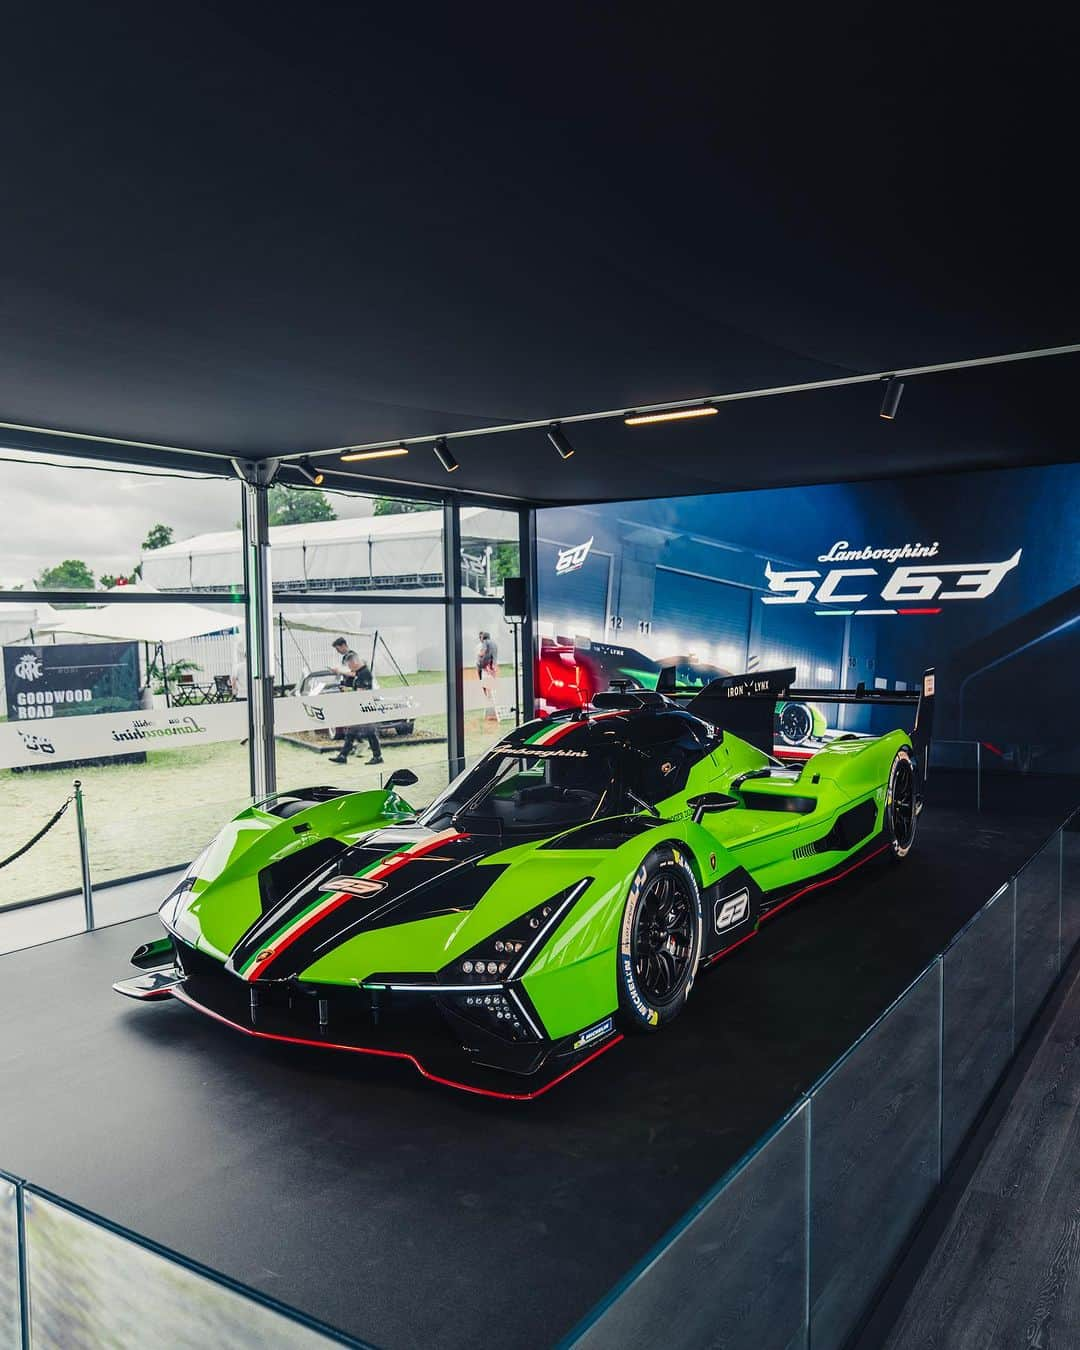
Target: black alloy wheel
<point x="902" y="805"/>
<point x="663" y="944"/>
<point x="796" y="723"/>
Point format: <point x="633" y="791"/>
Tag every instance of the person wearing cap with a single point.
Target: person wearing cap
<point x="356" y="674"/>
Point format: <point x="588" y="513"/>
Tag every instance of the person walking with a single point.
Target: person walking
<point x="487" y="670"/>
<point x="356" y="674"/>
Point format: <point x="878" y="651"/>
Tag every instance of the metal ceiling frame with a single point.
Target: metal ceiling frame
<point x="92" y="446"/>
<point x="542" y="424"/>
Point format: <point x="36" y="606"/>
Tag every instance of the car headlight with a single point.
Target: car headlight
<point x="507" y="954"/>
<point x="171" y="908"/>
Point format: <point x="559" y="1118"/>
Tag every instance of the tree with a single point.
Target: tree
<point x="158" y="536"/>
<point x="391" y="506"/>
<point x="298" y="506"/>
<point x="505" y="561"/>
<point x="70" y="575"/>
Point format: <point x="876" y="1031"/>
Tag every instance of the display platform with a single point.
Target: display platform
<point x="406" y="1213"/>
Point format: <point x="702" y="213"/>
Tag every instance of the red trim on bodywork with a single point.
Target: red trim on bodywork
<point x="312" y="921"/>
<point x="827" y="881"/>
<point x="186" y="999"/>
<point x="745" y="938"/>
<point x="393" y="862"/>
<point x="920" y="611"/>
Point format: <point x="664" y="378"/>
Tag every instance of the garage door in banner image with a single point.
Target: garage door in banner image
<point x="702" y="615"/>
<point x="573" y="585"/>
<point x="791" y="636"/>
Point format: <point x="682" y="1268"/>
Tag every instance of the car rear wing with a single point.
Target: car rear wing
<point x="745" y="705"/>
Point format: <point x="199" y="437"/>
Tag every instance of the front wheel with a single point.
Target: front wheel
<point x="659" y="941"/>
<point x="901" y="805"/>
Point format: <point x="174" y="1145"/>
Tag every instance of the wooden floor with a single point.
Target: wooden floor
<point x="1006" y="1271"/>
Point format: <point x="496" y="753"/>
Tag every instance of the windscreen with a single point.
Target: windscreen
<point x="515" y="791"/>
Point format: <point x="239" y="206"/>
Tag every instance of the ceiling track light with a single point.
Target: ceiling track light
<point x="641" y="419"/>
<point x="310" y="472"/>
<point x="353" y="456"/>
<point x="444" y="456"/>
<point x="890" y="400"/>
<point x="559" y="441"/>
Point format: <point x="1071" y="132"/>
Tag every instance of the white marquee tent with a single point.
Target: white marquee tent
<point x="404" y="549"/>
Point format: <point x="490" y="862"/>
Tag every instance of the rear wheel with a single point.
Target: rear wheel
<point x="660" y="941"/>
<point x="901" y="805"/>
<point x="796" y="723"/>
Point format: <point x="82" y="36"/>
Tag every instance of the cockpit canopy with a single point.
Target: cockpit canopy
<point x="575" y="770"/>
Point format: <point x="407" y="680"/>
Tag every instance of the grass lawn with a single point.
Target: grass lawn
<point x="160" y="813"/>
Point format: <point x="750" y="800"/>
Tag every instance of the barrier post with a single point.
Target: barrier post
<point x="84" y="858"/>
<point x="978" y="776"/>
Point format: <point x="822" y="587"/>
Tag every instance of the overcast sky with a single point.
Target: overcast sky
<point x="53" y="511"/>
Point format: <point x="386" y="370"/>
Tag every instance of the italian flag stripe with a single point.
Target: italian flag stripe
<point x="548" y="735"/>
<point x="314" y="913"/>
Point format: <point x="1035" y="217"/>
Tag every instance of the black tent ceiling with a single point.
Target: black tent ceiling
<point x="255" y="232"/>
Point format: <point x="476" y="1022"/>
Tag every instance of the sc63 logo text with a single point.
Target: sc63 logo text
<point x="909" y="584"/>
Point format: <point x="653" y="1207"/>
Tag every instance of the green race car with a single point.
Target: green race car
<point x="567" y="888"/>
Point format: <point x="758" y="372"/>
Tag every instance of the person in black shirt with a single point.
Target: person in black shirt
<point x="356" y="674"/>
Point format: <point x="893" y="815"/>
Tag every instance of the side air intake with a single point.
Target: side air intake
<point x="847" y="830"/>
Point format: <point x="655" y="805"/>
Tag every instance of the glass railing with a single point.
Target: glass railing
<point x="791" y="1247"/>
<point x="71" y="1278"/>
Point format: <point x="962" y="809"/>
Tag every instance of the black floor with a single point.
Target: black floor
<point x="1006" y="1271"/>
<point x="412" y="1215"/>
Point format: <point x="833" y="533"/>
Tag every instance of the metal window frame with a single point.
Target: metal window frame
<point x="257" y="599"/>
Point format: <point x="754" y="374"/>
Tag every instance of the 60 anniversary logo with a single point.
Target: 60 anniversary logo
<point x="912" y="588"/>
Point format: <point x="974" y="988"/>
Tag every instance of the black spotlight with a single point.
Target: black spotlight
<point x="559" y="441"/>
<point x="890" y="400"/>
<point x="311" y="473"/>
<point x="443" y="455"/>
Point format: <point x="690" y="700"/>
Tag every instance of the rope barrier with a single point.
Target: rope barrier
<point x="40" y="834"/>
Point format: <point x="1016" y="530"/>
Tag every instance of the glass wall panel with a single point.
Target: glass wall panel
<point x="137" y="701"/>
<point x="735" y="1275"/>
<point x="1038" y="914"/>
<point x="977" y="1018"/>
<point x="1070" y="886"/>
<point x="491" y="679"/>
<point x="874" y="1157"/>
<point x="10" y="1319"/>
<point x="90" y="1286"/>
<point x="490" y="550"/>
<point x="381" y="699"/>
<point x="120" y="525"/>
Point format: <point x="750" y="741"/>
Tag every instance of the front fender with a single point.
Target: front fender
<point x="223" y="899"/>
<point x="572" y="982"/>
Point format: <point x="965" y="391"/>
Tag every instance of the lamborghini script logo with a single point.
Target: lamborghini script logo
<point x="530" y="752"/>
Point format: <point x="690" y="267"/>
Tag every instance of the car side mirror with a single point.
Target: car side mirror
<point x="710" y="801"/>
<point x="401" y="778"/>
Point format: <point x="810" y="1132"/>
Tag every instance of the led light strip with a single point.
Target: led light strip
<point x="523" y="958"/>
<point x="524" y="1012"/>
<point x="439" y="988"/>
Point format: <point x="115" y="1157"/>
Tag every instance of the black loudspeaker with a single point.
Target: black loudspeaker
<point x="515" y="605"/>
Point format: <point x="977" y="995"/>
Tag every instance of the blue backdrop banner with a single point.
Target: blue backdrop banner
<point x="977" y="575"/>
